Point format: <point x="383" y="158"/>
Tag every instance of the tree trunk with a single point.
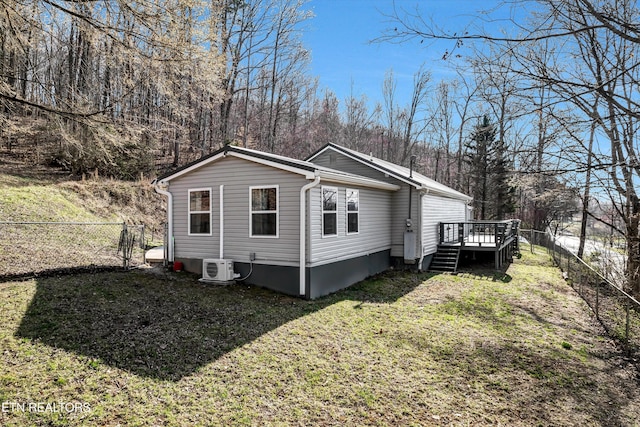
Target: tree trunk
<point x="587" y="191"/>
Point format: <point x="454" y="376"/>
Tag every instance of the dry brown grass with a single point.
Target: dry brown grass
<point x="40" y="194"/>
<point x="34" y="192"/>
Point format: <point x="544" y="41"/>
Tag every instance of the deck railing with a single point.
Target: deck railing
<point x="479" y="233"/>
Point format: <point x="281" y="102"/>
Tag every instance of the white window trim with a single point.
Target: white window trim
<point x="277" y="211"/>
<point x="347" y="211"/>
<point x="323" y="211"/>
<point x="189" y="212"/>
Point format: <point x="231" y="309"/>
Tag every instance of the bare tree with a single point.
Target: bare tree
<point x="404" y="125"/>
<point x="358" y="122"/>
<point x="595" y="64"/>
<point x="110" y="78"/>
<point x="442" y="131"/>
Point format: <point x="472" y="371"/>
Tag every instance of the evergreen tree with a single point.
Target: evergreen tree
<point x="493" y="196"/>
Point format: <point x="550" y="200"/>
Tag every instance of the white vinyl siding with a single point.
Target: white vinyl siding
<point x="374" y="234"/>
<point x="237" y="176"/>
<point x="353" y="211"/>
<point x="436" y="209"/>
<point x="199" y="216"/>
<point x="263" y="216"/>
<point x="329" y="211"/>
<point x="399" y="199"/>
<point x="400" y="214"/>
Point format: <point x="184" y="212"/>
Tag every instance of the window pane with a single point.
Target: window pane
<point x="330" y="224"/>
<point x="264" y="224"/>
<point x="264" y="199"/>
<point x="329" y="199"/>
<point x="200" y="223"/>
<point x="352" y="200"/>
<point x="199" y="201"/>
<point x="352" y="223"/>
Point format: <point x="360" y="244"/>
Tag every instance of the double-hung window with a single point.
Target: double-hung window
<point x="329" y="211"/>
<point x="263" y="211"/>
<point x="200" y="211"/>
<point x="353" y="211"/>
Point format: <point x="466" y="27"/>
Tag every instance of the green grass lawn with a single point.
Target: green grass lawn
<point x="149" y="348"/>
<point x="35" y="248"/>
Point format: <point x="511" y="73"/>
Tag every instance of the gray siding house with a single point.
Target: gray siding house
<point x="339" y="215"/>
<point x="418" y="206"/>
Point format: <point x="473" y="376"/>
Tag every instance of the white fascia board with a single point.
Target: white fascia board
<point x="319" y="152"/>
<point x="192" y="168"/>
<point x="307" y="174"/>
<point x="339" y="178"/>
<point x="435" y="192"/>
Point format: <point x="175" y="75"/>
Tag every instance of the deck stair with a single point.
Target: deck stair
<point x="446" y="259"/>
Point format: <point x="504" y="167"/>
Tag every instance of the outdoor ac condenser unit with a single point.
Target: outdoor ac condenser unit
<point x="217" y="270"/>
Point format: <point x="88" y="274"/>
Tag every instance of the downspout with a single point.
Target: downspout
<point x="421" y="231"/>
<point x="423" y="192"/>
<point x="303" y="232"/>
<point x="221" y="251"/>
<point x="156" y="186"/>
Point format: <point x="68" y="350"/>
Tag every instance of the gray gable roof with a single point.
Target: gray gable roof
<point x="401" y="173"/>
<point x="302" y="167"/>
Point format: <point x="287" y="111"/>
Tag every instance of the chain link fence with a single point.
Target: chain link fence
<point x="40" y="248"/>
<point x="617" y="311"/>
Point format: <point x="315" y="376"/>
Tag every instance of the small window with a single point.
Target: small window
<point x="353" y="211"/>
<point x="200" y="211"/>
<point x="329" y="211"/>
<point x="264" y="211"/>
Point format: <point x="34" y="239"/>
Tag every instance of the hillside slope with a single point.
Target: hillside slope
<point x="37" y="193"/>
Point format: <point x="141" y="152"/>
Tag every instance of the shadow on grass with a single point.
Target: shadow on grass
<point x="168" y="326"/>
<point x="482" y="265"/>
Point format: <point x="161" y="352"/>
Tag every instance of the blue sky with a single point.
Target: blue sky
<point x="342" y="56"/>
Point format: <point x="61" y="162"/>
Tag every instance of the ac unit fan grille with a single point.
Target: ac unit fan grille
<point x="212" y="269"/>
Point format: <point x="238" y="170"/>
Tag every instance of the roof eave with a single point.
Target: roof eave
<point x="338" y="178"/>
<point x="450" y="195"/>
<point x="406" y="180"/>
<point x="307" y="172"/>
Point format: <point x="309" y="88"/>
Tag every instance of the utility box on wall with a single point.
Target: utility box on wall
<point x="409" y="247"/>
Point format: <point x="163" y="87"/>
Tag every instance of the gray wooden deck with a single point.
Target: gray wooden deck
<point x="500" y="237"/>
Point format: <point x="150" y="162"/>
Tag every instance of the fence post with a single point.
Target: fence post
<point x="124" y="240"/>
<point x="532" y="241"/>
<point x="598" y="300"/>
<point x="580" y="290"/>
<point x="143" y="245"/>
